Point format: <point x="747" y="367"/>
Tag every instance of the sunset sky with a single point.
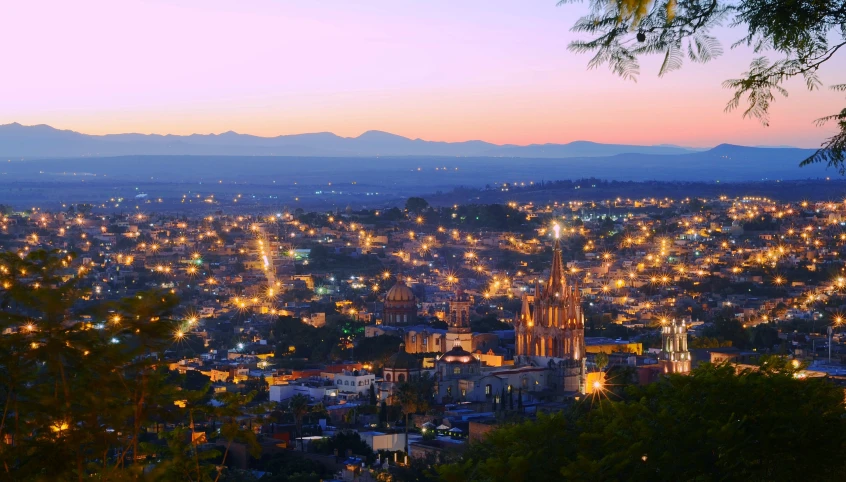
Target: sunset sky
<point x="495" y="70"/>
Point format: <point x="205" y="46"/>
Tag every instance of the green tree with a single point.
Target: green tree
<point x="183" y="460"/>
<point x="488" y="324"/>
<point x="318" y="411"/>
<point x="713" y="424"/>
<point x="376" y="349"/>
<point x="764" y="337"/>
<point x="298" y="405"/>
<point x="708" y="342"/>
<point x="84" y="209"/>
<point x="288" y="467"/>
<point x="601" y="360"/>
<point x="186" y="459"/>
<point x="343" y="441"/>
<point x="373" y="399"/>
<point x="416" y="205"/>
<point x="383" y="414"/>
<point x="51" y="358"/>
<point x="726" y="328"/>
<point x="802" y="34"/>
<point x="413" y="397"/>
<point x="229" y="407"/>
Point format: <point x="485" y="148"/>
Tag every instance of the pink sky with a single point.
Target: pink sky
<point x="496" y="70"/>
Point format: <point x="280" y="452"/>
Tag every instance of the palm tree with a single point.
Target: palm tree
<point x="412" y="397"/>
<point x="299" y="408"/>
<point x="406" y="397"/>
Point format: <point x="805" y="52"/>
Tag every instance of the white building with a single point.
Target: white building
<point x="384" y="441"/>
<point x="356" y="381"/>
<point x="281" y="393"/>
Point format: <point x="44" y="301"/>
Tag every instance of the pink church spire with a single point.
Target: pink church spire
<point x="556" y="281"/>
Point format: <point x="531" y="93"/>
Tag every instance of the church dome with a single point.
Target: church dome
<point x="400" y="305"/>
<point x="402" y="360"/>
<point x="400" y="292"/>
<point x="457" y="355"/>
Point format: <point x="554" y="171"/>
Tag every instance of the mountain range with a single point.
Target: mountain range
<point x="380" y="158"/>
<point x="43" y="141"/>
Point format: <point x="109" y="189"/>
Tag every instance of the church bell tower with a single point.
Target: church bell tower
<point x="459" y="333"/>
<point x="675" y="358"/>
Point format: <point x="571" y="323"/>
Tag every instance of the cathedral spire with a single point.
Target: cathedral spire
<point x="556" y="274"/>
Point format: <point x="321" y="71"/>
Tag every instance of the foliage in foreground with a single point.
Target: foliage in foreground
<point x="803" y="35"/>
<point x="711" y="425"/>
<point x="83" y="386"/>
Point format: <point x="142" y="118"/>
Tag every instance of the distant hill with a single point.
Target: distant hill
<point x="581" y="149"/>
<point x="407" y="174"/>
<point x="42" y="141"/>
<point x="381" y="158"/>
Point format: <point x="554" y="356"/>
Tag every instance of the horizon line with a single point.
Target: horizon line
<point x="151" y="134"/>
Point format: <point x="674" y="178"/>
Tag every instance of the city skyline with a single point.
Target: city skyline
<point x="492" y="71"/>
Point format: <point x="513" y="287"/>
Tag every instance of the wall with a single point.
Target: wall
<point x="384" y="441"/>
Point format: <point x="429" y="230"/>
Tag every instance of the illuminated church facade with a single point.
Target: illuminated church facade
<point x="551" y="322"/>
<point x="675" y="357"/>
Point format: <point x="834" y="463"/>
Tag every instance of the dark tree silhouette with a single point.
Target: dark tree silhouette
<point x="803" y="35"/>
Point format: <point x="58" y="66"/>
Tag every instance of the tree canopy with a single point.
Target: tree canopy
<point x="83" y="384"/>
<point x="714" y="424"/>
<point x="802" y="35"/>
<point x="416" y="204"/>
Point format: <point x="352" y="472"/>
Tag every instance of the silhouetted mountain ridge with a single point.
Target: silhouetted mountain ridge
<point x="42" y="141"/>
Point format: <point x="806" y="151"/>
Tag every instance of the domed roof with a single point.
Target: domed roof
<point x="457" y="355"/>
<point x="400" y="292"/>
<point x="402" y="360"/>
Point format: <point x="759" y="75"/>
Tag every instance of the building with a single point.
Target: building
<point x="675" y="358"/>
<point x="456" y="372"/>
<point x="355" y="381"/>
<point x="400" y="367"/>
<point x="314" y="391"/>
<point x="377" y="441"/>
<point x="600" y="344"/>
<point x="424" y="339"/>
<point x="551" y="323"/>
<point x="459" y="322"/>
<point x="400" y="305"/>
